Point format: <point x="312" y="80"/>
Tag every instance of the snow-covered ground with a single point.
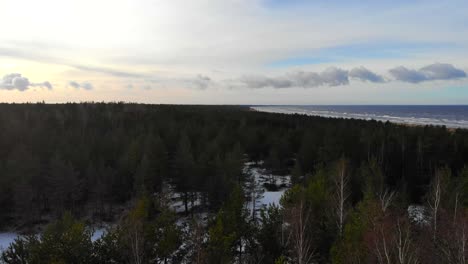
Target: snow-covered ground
<point x="6" y="239"/>
<point x="98" y="233"/>
<point x="267" y="189"/>
<point x="262" y="187"/>
<point x="418" y="214"/>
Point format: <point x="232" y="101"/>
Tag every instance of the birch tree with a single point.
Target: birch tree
<point x="436" y="192"/>
<point x="300" y="242"/>
<point x="342" y="193"/>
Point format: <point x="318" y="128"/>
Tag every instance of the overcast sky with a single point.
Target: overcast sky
<point x="235" y="51"/>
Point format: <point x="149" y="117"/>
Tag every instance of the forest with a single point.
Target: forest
<point x="64" y="167"/>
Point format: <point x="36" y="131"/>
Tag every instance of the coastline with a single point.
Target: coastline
<point x="402" y="123"/>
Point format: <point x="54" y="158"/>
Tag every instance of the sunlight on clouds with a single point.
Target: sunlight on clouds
<point x="199" y="48"/>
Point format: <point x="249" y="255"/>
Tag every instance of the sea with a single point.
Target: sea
<point x="451" y="116"/>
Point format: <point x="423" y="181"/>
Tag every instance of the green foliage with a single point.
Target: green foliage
<point x="109" y="248"/>
<point x="66" y="241"/>
<point x="270" y="233"/>
<point x="291" y="196"/>
<point x="221" y="241"/>
<point x="230" y="227"/>
<point x="72" y="157"/>
<point x="352" y="248"/>
<point x="167" y="235"/>
<point x="19" y="251"/>
<point x="281" y="260"/>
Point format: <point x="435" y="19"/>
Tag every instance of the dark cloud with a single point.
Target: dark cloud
<point x="87" y="86"/>
<point x="83" y="85"/>
<point x="331" y="77"/>
<point x="334" y="77"/>
<point x="364" y="74"/>
<point x="15" y="81"/>
<point x="255" y="81"/>
<point x="442" y="71"/>
<point x="436" y="71"/>
<point x="74" y="84"/>
<point x="406" y="75"/>
<point x="201" y="81"/>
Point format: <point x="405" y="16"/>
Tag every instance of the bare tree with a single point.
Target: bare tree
<point x="405" y="251"/>
<point x="461" y="242"/>
<point x="301" y="243"/>
<point x="393" y="243"/>
<point x="452" y="240"/>
<point x="342" y="193"/>
<point x="133" y="232"/>
<point x="196" y="239"/>
<point x="136" y="243"/>
<point x="437" y="188"/>
<point x="254" y="189"/>
<point x="386" y="198"/>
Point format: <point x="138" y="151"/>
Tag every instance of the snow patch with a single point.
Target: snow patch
<point x="418" y="214"/>
<point x="6" y="239"/>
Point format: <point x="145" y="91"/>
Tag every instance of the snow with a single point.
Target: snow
<point x="418" y="214"/>
<point x="263" y="187"/>
<point x="271" y="198"/>
<point x="6" y="239"/>
<point x="97" y="234"/>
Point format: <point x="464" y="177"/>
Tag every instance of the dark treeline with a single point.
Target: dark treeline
<point x="353" y="182"/>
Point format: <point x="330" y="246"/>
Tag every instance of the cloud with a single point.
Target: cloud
<point x="256" y="81"/>
<point x="74" y="84"/>
<point x="107" y="71"/>
<point x="27" y="53"/>
<point x="436" y="71"/>
<point x="15" y="81"/>
<point x="201" y="81"/>
<point x="43" y="85"/>
<point x="330" y="77"/>
<point x="442" y="71"/>
<point x="87" y="86"/>
<point x="334" y="76"/>
<point x="84" y="85"/>
<point x="364" y="74"/>
<point x="406" y="75"/>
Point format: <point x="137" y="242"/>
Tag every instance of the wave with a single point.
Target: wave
<point x="424" y="118"/>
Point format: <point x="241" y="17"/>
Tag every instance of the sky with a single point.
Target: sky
<point x="235" y="51"/>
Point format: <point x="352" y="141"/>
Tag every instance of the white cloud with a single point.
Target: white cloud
<point x="15" y="81"/>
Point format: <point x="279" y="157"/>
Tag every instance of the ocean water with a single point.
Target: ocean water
<point x="452" y="116"/>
